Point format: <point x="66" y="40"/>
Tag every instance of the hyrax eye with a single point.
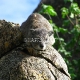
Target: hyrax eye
<point x="50" y="33"/>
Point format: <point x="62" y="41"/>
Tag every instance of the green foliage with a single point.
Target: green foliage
<point x="71" y="47"/>
<point x="74" y="9"/>
<point x="68" y="1"/>
<point x="64" y="12"/>
<point x="47" y="9"/>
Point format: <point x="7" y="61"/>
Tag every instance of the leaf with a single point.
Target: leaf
<point x="61" y="39"/>
<point x="75" y="62"/>
<point x="62" y="30"/>
<point x="72" y="15"/>
<point x="66" y="23"/>
<point x="47" y="9"/>
<point x="64" y="12"/>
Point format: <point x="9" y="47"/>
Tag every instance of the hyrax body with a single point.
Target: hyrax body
<point x="37" y="32"/>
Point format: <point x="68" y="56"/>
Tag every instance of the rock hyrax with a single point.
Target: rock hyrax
<point x="37" y="32"/>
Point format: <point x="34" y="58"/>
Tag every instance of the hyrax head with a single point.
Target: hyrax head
<point x="40" y="38"/>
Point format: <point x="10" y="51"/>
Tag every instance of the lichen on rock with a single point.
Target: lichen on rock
<point x="10" y="36"/>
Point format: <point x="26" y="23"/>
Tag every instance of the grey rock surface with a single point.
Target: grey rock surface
<point x="20" y="65"/>
<point x="10" y="36"/>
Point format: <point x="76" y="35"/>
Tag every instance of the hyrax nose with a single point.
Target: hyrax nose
<point x="41" y="45"/>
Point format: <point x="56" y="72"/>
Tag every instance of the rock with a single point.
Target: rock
<point x="21" y="65"/>
<point x="10" y="36"/>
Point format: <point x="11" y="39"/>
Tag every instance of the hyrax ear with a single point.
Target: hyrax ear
<point x="50" y="33"/>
